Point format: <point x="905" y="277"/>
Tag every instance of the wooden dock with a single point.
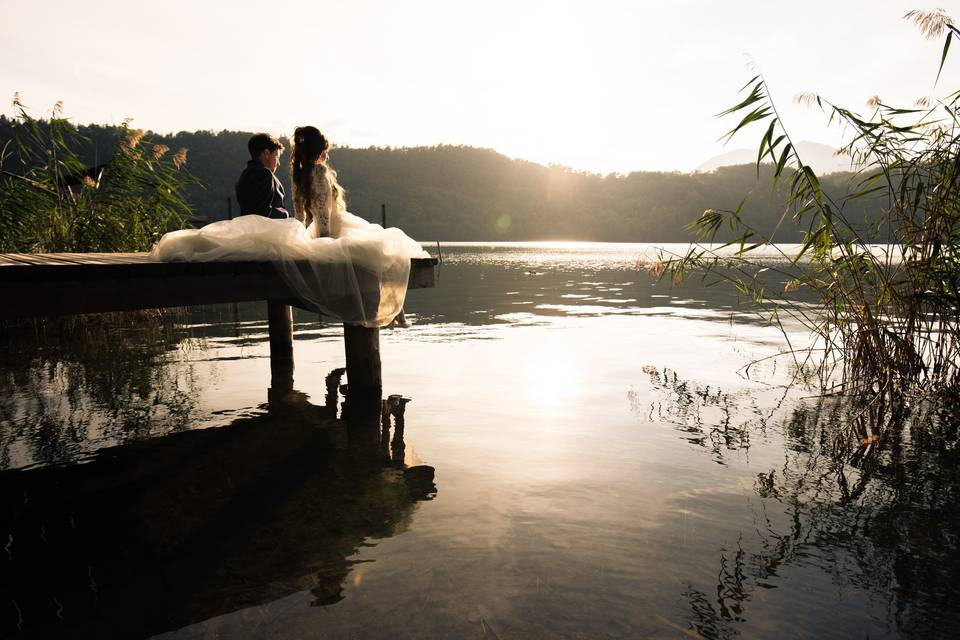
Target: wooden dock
<point x="56" y="284"/>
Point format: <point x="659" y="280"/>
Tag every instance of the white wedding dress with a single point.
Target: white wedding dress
<point x="359" y="277"/>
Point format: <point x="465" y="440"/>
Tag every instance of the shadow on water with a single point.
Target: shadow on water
<point x="157" y="534"/>
<point x="866" y="494"/>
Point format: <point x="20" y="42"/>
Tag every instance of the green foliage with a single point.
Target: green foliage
<point x="885" y="316"/>
<point x="51" y="200"/>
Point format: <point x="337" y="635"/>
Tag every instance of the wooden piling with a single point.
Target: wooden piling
<point x="280" y="321"/>
<point x="362" y="346"/>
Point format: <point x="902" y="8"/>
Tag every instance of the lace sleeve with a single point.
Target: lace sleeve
<point x="299" y="211"/>
<point x="322" y="199"/>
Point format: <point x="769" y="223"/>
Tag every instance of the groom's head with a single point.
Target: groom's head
<point x="265" y="148"/>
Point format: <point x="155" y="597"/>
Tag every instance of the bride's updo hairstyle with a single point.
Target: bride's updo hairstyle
<point x="308" y="145"/>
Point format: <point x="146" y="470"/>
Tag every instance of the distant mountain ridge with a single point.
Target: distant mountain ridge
<point x="819" y="156"/>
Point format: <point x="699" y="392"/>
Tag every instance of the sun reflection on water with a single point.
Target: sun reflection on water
<point x="550" y="379"/>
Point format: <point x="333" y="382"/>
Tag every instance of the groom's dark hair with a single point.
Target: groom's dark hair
<point x="261" y="142"/>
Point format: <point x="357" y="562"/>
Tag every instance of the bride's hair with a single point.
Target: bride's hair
<point x="308" y="145"/>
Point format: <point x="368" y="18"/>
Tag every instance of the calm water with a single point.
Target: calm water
<point x="604" y="465"/>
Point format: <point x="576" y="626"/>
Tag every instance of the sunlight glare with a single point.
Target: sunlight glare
<point x="551" y="380"/>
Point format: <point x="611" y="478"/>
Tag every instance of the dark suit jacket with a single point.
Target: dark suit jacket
<point x="259" y="191"/>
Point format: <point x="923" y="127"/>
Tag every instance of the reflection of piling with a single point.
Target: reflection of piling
<point x="395" y="406"/>
<point x="332" y="397"/>
<point x="360" y="414"/>
<point x="392" y="451"/>
<point x="385" y="434"/>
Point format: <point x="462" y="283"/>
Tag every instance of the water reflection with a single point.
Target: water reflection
<point x="708" y="505"/>
<point x="71" y="385"/>
<point x="709" y="417"/>
<point x="521" y="283"/>
<point x="158" y="534"/>
<point x="865" y="494"/>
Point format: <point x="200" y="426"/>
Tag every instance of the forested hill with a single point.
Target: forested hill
<point x="465" y="193"/>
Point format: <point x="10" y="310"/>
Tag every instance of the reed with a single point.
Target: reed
<point x="882" y="298"/>
<point x="51" y="201"/>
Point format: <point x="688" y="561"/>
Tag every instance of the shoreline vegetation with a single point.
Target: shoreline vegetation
<point x="884" y="327"/>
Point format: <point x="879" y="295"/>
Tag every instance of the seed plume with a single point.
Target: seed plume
<point x="180" y="157"/>
<point x="931" y="23"/>
<point x="133" y="138"/>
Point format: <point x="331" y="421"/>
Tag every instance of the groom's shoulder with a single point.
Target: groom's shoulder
<point x="255" y="167"/>
<point x="255" y="171"/>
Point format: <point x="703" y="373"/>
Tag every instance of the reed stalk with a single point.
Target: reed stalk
<point x="880" y="298"/>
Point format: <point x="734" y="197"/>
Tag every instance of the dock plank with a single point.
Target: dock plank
<point x="58" y="258"/>
<point x="20" y="259"/>
<point x="112" y="258"/>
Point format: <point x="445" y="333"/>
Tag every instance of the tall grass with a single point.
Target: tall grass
<point x="51" y="201"/>
<point x="885" y="319"/>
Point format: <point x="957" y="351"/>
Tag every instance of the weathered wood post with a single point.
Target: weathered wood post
<point x="362" y="346"/>
<point x="280" y="322"/>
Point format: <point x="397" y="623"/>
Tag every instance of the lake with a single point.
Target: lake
<point x="572" y="451"/>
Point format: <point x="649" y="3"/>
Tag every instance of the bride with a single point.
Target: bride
<point x="333" y="261"/>
<point x="318" y="200"/>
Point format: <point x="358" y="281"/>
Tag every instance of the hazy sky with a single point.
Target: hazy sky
<point x="598" y="85"/>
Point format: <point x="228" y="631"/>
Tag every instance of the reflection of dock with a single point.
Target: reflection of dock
<point x="159" y="534"/>
<point x="51" y="284"/>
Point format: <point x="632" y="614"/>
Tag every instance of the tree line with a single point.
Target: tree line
<point x="453" y="193"/>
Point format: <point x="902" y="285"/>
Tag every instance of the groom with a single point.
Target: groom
<point x="259" y="190"/>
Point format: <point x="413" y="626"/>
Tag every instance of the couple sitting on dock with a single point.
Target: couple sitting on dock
<point x="318" y="199"/>
<point x="334" y="262"/>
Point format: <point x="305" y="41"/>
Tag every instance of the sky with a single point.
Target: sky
<point x="597" y="85"/>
